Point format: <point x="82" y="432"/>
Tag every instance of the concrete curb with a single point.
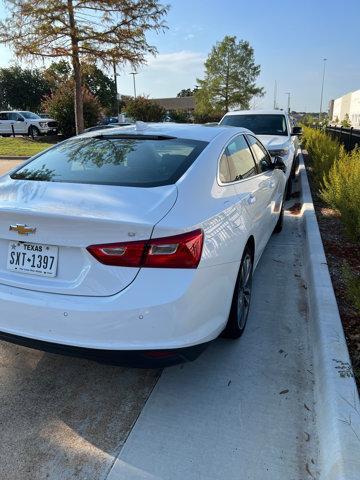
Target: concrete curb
<point x="13" y="158"/>
<point x="336" y="396"/>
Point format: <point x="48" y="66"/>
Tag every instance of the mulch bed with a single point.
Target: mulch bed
<point x="339" y="249"/>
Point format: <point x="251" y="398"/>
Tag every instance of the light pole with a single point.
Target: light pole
<point x="322" y="88"/>
<point x="288" y="103"/>
<point x="133" y="74"/>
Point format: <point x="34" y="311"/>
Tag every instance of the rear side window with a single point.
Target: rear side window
<point x="4" y="116"/>
<point x="114" y="160"/>
<point x="14" y="116"/>
<point x="237" y="161"/>
<point x="262" y="157"/>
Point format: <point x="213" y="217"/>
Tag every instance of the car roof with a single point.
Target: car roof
<point x="256" y="112"/>
<point x="180" y="130"/>
<point x="12" y="111"/>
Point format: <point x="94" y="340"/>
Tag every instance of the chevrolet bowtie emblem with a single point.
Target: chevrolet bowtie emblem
<point x="22" y="229"/>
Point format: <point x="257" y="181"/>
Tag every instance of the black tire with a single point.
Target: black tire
<point x="295" y="166"/>
<point x="288" y="190"/>
<point x="280" y="222"/>
<point x="34" y="132"/>
<point x="241" y="299"/>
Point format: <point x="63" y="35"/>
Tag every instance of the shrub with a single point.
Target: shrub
<point x="179" y="116"/>
<point x="145" y="110"/>
<point x="323" y="151"/>
<point x="341" y="189"/>
<point x="60" y="106"/>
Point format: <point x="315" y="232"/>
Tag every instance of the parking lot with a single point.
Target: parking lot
<point x="249" y="401"/>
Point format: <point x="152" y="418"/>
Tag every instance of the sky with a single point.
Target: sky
<point x="290" y="39"/>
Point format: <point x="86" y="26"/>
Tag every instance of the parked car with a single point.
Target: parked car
<point x="276" y="132"/>
<point x="136" y="245"/>
<point x="105" y="127"/>
<point x="26" y="123"/>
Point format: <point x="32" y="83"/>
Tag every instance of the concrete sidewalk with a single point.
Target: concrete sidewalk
<point x="244" y="409"/>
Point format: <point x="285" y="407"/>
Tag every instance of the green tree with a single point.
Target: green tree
<point x="230" y="76"/>
<point x="94" y="31"/>
<point x="141" y="108"/>
<point x="100" y="85"/>
<point x="60" y="105"/>
<point x="22" y="89"/>
<point x="346" y="121"/>
<point x="57" y="73"/>
<point x="187" y="92"/>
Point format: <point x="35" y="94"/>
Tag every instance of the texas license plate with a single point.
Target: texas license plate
<point x="32" y="258"/>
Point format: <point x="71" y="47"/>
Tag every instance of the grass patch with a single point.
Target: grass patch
<point x="19" y="146"/>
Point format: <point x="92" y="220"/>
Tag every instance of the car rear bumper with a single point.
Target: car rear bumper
<point x="162" y="309"/>
<point x="124" y="358"/>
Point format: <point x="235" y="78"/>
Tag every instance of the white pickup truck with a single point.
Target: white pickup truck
<point x="26" y="123"/>
<point x="275" y="130"/>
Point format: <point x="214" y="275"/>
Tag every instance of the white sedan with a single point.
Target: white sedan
<point x="136" y="245"/>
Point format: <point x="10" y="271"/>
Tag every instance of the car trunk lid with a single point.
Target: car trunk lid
<point x="72" y="217"/>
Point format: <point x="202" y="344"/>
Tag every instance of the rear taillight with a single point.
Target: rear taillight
<point x="179" y="251"/>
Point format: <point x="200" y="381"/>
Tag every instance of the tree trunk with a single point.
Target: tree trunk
<point x="227" y="83"/>
<point x="78" y="98"/>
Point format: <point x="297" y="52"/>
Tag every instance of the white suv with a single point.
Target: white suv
<point x="26" y="123"/>
<point x="275" y="130"/>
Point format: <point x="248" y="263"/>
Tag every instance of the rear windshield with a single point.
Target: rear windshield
<point x="109" y="160"/>
<point x="259" y="124"/>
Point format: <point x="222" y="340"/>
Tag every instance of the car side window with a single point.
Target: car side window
<point x="237" y="162"/>
<point x="4" y="116"/>
<point x="262" y="158"/>
<point x="14" y="116"/>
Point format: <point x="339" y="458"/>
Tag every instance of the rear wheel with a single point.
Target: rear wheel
<point x="241" y="300"/>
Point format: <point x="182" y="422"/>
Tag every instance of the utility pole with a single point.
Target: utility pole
<point x="133" y="74"/>
<point x="322" y="88"/>
<point x="275" y="95"/>
<point x="288" y="102"/>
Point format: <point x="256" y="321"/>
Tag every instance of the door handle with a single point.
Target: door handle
<point x="270" y="184"/>
<point x="251" y="199"/>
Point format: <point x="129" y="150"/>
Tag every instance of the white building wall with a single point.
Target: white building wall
<point x="347" y="105"/>
<point x="337" y="110"/>
<point x="354" y="112"/>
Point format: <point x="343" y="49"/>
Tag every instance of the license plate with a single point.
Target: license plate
<point x="32" y="258"/>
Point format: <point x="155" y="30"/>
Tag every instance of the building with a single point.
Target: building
<point x="185" y="104"/>
<point x="346" y="107"/>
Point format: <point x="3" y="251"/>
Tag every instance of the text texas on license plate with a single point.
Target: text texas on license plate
<point x="32" y="258"/>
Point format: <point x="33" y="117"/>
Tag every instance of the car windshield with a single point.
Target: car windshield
<point x="136" y="161"/>
<point x="259" y="124"/>
<point x="30" y="115"/>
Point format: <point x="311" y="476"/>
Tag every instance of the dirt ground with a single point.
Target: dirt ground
<point x="6" y="165"/>
<point x="339" y="250"/>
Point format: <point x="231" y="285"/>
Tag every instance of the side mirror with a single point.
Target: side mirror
<point x="20" y="119"/>
<point x="296" y="131"/>
<point x="278" y="164"/>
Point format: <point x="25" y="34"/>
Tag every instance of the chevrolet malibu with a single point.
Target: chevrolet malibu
<point x="136" y="245"/>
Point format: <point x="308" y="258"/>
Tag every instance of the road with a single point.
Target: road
<point x="244" y="409"/>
